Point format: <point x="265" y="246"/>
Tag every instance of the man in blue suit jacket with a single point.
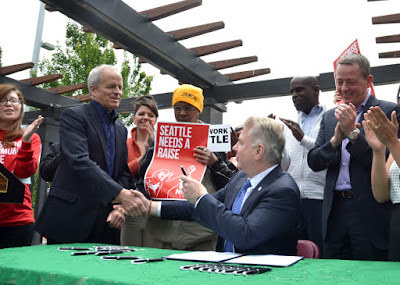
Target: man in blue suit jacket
<point x="93" y="170"/>
<point x="265" y="218"/>
<point x="354" y="225"/>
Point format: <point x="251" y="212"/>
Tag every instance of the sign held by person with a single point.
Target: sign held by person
<point x="174" y="147"/>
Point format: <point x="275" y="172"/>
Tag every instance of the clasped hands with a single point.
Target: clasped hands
<point x="346" y="116"/>
<point x="134" y="203"/>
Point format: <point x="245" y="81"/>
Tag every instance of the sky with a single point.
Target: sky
<point x="291" y="37"/>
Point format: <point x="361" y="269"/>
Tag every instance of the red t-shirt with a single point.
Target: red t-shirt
<point x="22" y="160"/>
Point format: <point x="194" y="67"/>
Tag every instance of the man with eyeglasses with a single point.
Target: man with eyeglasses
<point x="187" y="102"/>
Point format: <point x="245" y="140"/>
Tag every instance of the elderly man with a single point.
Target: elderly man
<point x="300" y="138"/>
<point x="93" y="170"/>
<point x="257" y="211"/>
<point x="354" y="225"/>
<point x="187" y="102"/>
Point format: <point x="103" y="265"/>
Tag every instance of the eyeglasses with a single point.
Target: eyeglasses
<point x="187" y="109"/>
<point x="13" y="101"/>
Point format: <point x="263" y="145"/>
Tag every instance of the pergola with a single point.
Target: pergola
<point x="135" y="32"/>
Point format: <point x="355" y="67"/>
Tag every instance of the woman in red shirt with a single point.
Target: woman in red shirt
<point x="142" y="136"/>
<point x="19" y="153"/>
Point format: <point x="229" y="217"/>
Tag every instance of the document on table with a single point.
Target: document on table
<point x="206" y="256"/>
<point x="268" y="259"/>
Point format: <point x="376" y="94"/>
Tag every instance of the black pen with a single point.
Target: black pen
<point x="183" y="171"/>
<point x="83" y="252"/>
<point x="73" y="248"/>
<point x="119" y="257"/>
<point x="145" y="260"/>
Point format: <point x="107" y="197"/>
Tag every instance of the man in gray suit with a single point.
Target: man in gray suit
<point x="93" y="171"/>
<point x="354" y="225"/>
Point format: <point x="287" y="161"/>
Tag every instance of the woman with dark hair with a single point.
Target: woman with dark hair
<point x="19" y="153"/>
<point x="145" y="116"/>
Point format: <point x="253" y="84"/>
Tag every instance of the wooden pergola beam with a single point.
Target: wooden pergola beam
<point x="68" y="88"/>
<point x="83" y="98"/>
<point x="49" y="8"/>
<point x="87" y="30"/>
<point x="247" y="74"/>
<point x="187" y="33"/>
<point x="390" y="54"/>
<point x="388" y="39"/>
<point x="387" y="19"/>
<point x="233" y="62"/>
<point x="10" y="69"/>
<point x="209" y="49"/>
<point x="42" y="79"/>
<point x="168" y="10"/>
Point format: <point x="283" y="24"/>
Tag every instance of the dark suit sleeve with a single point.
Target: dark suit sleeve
<point x="322" y="155"/>
<point x="75" y="139"/>
<point x="267" y="221"/>
<point x="50" y="162"/>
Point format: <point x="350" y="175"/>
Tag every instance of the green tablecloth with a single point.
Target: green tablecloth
<point x="44" y="264"/>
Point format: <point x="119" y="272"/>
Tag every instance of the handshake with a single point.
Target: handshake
<point x="132" y="203"/>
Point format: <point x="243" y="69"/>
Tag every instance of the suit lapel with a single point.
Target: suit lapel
<point x="119" y="139"/>
<point x="96" y="122"/>
<point x="262" y="186"/>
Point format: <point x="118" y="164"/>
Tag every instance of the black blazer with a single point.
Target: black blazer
<point x="267" y="222"/>
<point x="81" y="188"/>
<point x="375" y="216"/>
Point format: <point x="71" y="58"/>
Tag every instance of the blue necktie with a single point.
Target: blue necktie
<point x="237" y="205"/>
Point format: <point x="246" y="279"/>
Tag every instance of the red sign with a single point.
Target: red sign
<point x="353" y="48"/>
<point x="174" y="147"/>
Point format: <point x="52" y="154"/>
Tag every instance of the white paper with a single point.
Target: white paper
<point x="207" y="256"/>
<point x="268" y="259"/>
<point x="219" y="138"/>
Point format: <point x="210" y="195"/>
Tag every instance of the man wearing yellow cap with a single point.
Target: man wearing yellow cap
<point x="187" y="102"/>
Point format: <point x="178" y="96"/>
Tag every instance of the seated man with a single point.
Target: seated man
<point x="257" y="211"/>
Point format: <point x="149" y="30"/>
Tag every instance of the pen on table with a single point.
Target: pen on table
<point x="119" y="257"/>
<point x="106" y="252"/>
<point x="183" y="171"/>
<point x="145" y="260"/>
<point x="73" y="248"/>
<point x="83" y="252"/>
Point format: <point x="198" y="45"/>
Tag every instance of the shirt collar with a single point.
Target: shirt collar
<point x="315" y="111"/>
<point x="260" y="176"/>
<point x="103" y="112"/>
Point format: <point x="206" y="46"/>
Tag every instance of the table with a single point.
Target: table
<point x="44" y="264"/>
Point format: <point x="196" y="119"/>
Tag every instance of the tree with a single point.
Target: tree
<point x="82" y="53"/>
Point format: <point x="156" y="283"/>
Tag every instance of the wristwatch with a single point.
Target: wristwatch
<point x="354" y="134"/>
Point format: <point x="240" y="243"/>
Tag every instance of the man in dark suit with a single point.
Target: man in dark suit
<point x="258" y="210"/>
<point x="354" y="225"/>
<point x="93" y="169"/>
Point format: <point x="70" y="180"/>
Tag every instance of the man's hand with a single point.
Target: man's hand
<point x="338" y="136"/>
<point x="205" y="156"/>
<point x="192" y="189"/>
<point x="116" y="219"/>
<point x="134" y="203"/>
<point x="295" y="128"/>
<point x="346" y="116"/>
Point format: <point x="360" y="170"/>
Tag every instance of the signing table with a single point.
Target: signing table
<point x="44" y="264"/>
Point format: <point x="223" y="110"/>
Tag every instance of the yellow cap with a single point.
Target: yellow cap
<point x="190" y="94"/>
